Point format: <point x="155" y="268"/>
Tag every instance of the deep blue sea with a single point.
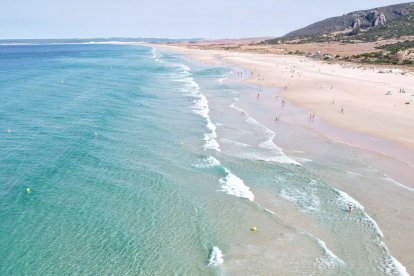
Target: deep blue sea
<point x="127" y="160"/>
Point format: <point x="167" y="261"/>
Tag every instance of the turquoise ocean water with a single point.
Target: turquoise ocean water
<point x="139" y="163"/>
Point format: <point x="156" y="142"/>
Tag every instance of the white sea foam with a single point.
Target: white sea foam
<point x="329" y="260"/>
<point x="233" y="185"/>
<point x="353" y="173"/>
<point x="154" y="53"/>
<point x="301" y="159"/>
<point x="155" y="56"/>
<point x="201" y="108"/>
<point x="399" y="268"/>
<point x="370" y="221"/>
<point x="208" y="162"/>
<point x="235" y="143"/>
<point x="269" y="144"/>
<point x="394" y="266"/>
<point x="398" y="183"/>
<point x="216" y="257"/>
<point x="344" y="201"/>
<point x="277" y="153"/>
<point x="305" y="197"/>
<point x="222" y="79"/>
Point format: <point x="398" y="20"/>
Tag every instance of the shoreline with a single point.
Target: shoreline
<point x="381" y="211"/>
<point x="384" y="128"/>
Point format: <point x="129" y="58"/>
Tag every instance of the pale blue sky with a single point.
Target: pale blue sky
<point x="167" y="18"/>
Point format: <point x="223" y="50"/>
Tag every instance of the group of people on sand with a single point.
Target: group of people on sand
<point x="311" y="117"/>
<point x="240" y="73"/>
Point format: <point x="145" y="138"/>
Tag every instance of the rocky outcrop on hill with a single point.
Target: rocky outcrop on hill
<point x="356" y="27"/>
<point x="357" y="21"/>
<point x="376" y="18"/>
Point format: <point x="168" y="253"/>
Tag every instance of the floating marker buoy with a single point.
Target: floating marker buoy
<point x="254" y="229"/>
<point x="28" y="190"/>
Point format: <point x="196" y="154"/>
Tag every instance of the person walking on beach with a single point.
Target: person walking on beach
<point x="283" y="103"/>
<point x="258" y="95"/>
<point x="277" y="119"/>
<point x="342" y="110"/>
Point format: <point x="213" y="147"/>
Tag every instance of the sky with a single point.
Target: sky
<point x="211" y="19"/>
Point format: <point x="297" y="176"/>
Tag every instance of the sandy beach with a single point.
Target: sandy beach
<point x="358" y="107"/>
<point x="324" y="89"/>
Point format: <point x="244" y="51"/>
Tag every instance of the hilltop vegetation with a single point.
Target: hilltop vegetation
<point x="394" y="23"/>
<point x="388" y="21"/>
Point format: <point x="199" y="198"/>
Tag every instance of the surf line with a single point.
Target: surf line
<point x="280" y="156"/>
<point x="345" y="201"/>
<point x="200" y="107"/>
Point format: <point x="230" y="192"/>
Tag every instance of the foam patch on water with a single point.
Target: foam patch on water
<point x="329" y="260"/>
<point x="344" y="201"/>
<point x="154" y="55"/>
<point x="399" y="268"/>
<point x="208" y="162"/>
<point x="222" y="79"/>
<point x="393" y="266"/>
<point x="353" y="173"/>
<point x="235" y="143"/>
<point x="305" y="197"/>
<point x="398" y="183"/>
<point x="233" y="185"/>
<point x="304" y="160"/>
<point x="200" y="107"/>
<point x="216" y="257"/>
<point x="277" y="154"/>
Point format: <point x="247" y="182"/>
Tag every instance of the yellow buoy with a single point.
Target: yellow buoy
<point x="28" y="190"/>
<point x="254" y="229"/>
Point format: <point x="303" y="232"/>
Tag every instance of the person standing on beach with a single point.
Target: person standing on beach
<point x="283" y="103"/>
<point x="277" y="119"/>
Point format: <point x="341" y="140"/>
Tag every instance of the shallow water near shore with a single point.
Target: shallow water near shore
<point x="139" y="161"/>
